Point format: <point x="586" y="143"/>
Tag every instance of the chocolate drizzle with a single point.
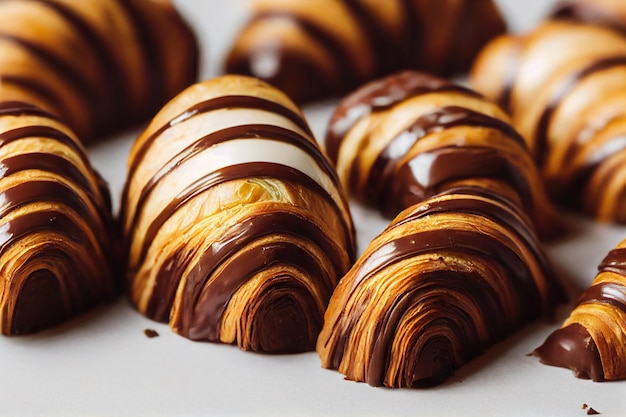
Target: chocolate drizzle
<point x="566" y="86"/>
<point x="589" y="13"/>
<point x="61" y="208"/>
<point x="436" y="355"/>
<point x="379" y="96"/>
<point x="384" y="43"/>
<point x="282" y="251"/>
<point x="428" y="171"/>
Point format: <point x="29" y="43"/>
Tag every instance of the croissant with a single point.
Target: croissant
<point x="236" y="227"/>
<point x="320" y="48"/>
<point x="56" y="228"/>
<point x="449" y="277"/>
<point x="592" y="341"/>
<point x="100" y="65"/>
<point x="403" y="138"/>
<point x="610" y="13"/>
<point x="565" y="87"/>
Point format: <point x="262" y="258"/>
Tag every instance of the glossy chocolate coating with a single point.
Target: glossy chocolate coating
<point x="464" y="288"/>
<point x="406" y="164"/>
<point x="57" y="225"/>
<point x="589" y="12"/>
<point x="572" y="347"/>
<point x="590" y="341"/>
<point x="261" y="276"/>
<point x="569" y="108"/>
<point x="126" y="70"/>
<point x="385" y="38"/>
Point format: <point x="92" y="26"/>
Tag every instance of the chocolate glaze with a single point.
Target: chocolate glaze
<point x="566" y="86"/>
<point x="570" y="193"/>
<point x="217" y="103"/>
<point x="17" y="108"/>
<point x="436" y="360"/>
<point x="238" y="237"/>
<point x="113" y="101"/>
<point x="614" y="261"/>
<point x="250" y="170"/>
<point x="389" y="52"/>
<point x="382" y="95"/>
<point x="473" y="245"/>
<point x="612" y="294"/>
<point x="589" y="13"/>
<point x="232" y="133"/>
<point x="387" y="186"/>
<point x="204" y="302"/>
<point x="346" y="77"/>
<point x="39" y="89"/>
<point x="572" y="347"/>
<point x="282" y="321"/>
<point x="39" y="304"/>
<point x="75" y="79"/>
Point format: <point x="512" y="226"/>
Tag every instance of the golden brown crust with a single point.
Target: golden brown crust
<point x="99" y="65"/>
<point x="568" y="107"/>
<point x="449" y="277"/>
<point x="301" y="48"/>
<point x="56" y="242"/>
<point x="592" y="340"/>
<point x="236" y="227"/>
<point x="401" y="139"/>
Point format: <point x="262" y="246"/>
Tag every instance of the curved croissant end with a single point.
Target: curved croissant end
<point x="592" y="341"/>
<point x="570" y="108"/>
<point x="321" y="48"/>
<point x="100" y="65"/>
<point x="55" y="224"/>
<point x="236" y="227"/>
<point x="401" y="139"/>
<point x="449" y="277"/>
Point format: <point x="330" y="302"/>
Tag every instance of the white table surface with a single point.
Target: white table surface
<point x="102" y="364"/>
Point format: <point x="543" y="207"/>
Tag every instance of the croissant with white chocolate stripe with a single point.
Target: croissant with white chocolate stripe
<point x="449" y="277"/>
<point x="592" y="341"/>
<point x="319" y="48"/>
<point x="565" y="86"/>
<point x="235" y="223"/>
<point x="100" y="64"/>
<point x="401" y="139"/>
<point x="56" y="228"/>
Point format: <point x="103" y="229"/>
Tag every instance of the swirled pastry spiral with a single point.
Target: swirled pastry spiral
<point x="401" y="139"/>
<point x="100" y="65"/>
<point x="235" y="222"/>
<point x="319" y="48"/>
<point x="449" y="277"/>
<point x="565" y="87"/>
<point x="56" y="244"/>
<point x="592" y="341"/>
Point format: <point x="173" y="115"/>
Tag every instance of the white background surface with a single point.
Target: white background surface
<point x="102" y="364"/>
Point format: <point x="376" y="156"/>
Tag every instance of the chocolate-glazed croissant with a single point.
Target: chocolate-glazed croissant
<point x="100" y="64"/>
<point x="611" y="13"/>
<point x="565" y="87"/>
<point x="235" y="223"/>
<point x="449" y="277"/>
<point x="319" y="48"/>
<point x="592" y="341"/>
<point x="401" y="139"/>
<point x="56" y="229"/>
